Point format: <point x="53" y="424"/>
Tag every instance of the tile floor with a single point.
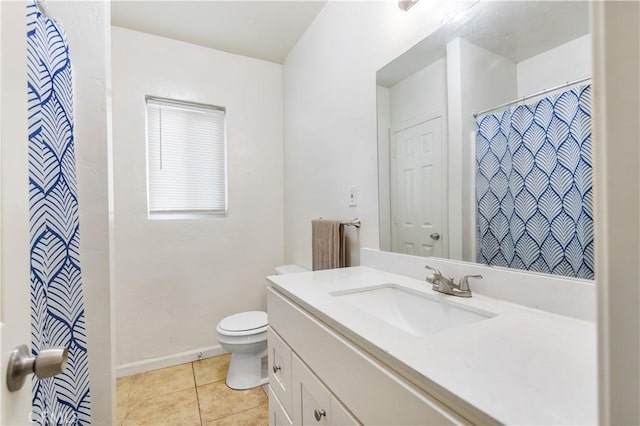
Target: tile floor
<point x="189" y="394"/>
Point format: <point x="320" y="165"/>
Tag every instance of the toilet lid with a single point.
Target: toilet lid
<point x="244" y="321"/>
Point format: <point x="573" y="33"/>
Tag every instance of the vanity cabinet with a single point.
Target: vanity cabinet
<point x="296" y="395"/>
<point x="318" y="377"/>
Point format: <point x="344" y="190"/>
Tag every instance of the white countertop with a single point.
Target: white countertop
<point x="523" y="366"/>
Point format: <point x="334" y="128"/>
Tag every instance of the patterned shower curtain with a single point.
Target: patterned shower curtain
<point x="57" y="308"/>
<point x="534" y="186"/>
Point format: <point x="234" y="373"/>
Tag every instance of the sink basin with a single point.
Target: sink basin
<point x="410" y="311"/>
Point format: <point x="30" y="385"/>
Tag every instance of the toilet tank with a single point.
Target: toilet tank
<point x="289" y="269"/>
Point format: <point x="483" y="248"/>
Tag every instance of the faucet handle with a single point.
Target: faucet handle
<point x="436" y="270"/>
<point x="433" y="277"/>
<point x="464" y="282"/>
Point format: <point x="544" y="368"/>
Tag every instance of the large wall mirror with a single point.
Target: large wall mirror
<point x="484" y="140"/>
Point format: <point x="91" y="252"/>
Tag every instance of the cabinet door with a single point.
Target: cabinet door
<point x="340" y="416"/>
<point x="277" y="414"/>
<point x="311" y="399"/>
<point x="280" y="369"/>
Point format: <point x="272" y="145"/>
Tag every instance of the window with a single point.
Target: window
<point x="186" y="159"/>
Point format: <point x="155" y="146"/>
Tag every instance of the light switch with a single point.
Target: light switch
<point x="353" y="196"/>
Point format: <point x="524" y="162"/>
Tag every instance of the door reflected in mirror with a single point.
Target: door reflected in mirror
<point x="484" y="140"/>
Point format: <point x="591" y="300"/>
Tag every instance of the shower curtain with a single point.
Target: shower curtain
<point x="534" y="186"/>
<point x="57" y="308"/>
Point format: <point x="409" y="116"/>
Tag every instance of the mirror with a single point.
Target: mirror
<point x="484" y="140"/>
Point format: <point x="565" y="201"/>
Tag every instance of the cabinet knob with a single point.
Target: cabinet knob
<point x="318" y="414"/>
<point x="276" y="368"/>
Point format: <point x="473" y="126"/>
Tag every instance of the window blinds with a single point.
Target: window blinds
<point x="186" y="161"/>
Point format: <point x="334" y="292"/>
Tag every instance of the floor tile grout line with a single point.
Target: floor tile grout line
<point x="212" y="383"/>
<point x="239" y="412"/>
<point x="195" y="385"/>
<point x="172" y="393"/>
<point x="158" y="395"/>
<point x="136" y="377"/>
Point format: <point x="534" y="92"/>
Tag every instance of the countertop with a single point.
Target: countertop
<point x="522" y="366"/>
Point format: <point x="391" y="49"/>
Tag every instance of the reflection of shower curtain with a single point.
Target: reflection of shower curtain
<point x="57" y="309"/>
<point x="534" y="188"/>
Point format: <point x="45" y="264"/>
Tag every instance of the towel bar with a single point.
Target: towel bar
<point x="355" y="222"/>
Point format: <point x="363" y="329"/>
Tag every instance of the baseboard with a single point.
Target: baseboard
<point x="168" y="361"/>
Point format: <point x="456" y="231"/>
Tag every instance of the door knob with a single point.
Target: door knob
<point x="48" y="363"/>
<point x="435" y="236"/>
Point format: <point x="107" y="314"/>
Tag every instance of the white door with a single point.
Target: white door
<point x="14" y="208"/>
<point x="418" y="203"/>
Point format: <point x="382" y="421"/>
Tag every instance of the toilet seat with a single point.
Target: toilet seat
<point x="244" y="324"/>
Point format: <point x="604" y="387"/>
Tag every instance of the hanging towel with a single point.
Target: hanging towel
<point x="327" y="244"/>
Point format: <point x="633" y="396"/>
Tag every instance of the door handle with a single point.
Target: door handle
<point x="435" y="236"/>
<point x="48" y="363"/>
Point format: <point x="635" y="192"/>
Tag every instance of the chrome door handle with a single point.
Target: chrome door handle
<point x="435" y="236"/>
<point x="318" y="414"/>
<point x="48" y="363"/>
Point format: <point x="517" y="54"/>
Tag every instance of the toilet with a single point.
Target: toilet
<point x="245" y="336"/>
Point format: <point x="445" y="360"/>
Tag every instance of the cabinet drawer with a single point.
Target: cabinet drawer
<point x="277" y="414"/>
<point x="311" y="399"/>
<point x="280" y="369"/>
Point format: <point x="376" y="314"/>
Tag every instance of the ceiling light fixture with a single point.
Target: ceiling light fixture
<point x="406" y="4"/>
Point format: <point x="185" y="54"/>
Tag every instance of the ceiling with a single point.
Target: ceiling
<point x="516" y="30"/>
<point x="265" y="30"/>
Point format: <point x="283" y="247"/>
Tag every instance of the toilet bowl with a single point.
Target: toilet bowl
<point x="245" y="336"/>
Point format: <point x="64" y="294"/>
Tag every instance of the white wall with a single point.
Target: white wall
<point x="616" y="80"/>
<point x="176" y="279"/>
<point x="87" y="27"/>
<point x="477" y="79"/>
<point x="420" y="96"/>
<point x="567" y="62"/>
<point x="330" y="112"/>
<point x="330" y="115"/>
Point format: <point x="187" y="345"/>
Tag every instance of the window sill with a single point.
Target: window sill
<point x="186" y="216"/>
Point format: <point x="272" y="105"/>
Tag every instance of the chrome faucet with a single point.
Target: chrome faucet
<point x="446" y="285"/>
<point x="439" y="281"/>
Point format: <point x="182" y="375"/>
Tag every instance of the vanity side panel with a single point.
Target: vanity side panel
<point x="373" y="394"/>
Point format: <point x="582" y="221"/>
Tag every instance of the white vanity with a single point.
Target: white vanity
<point x="363" y="346"/>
